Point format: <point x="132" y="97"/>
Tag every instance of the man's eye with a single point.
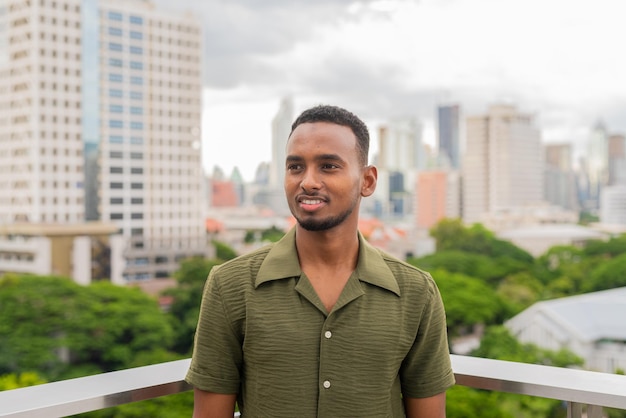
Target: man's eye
<point x="292" y="167"/>
<point x="329" y="166"/>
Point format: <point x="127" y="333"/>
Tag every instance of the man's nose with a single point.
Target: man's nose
<point x="310" y="180"/>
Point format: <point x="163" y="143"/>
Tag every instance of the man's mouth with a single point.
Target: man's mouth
<point x="309" y="204"/>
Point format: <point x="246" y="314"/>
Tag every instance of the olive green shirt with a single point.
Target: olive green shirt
<point x="264" y="334"/>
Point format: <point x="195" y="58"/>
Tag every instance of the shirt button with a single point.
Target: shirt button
<point x="326" y="384"/>
<point x="328" y="334"/>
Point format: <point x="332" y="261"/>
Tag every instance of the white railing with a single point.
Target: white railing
<point x="581" y="390"/>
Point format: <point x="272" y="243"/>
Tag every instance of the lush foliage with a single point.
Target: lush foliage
<point x="187" y="296"/>
<point x="67" y="330"/>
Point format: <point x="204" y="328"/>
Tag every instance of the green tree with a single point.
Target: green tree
<point x="185" y="308"/>
<point x="490" y="270"/>
<point x="451" y="234"/>
<point x="66" y="329"/>
<point x="468" y="301"/>
<point x="224" y="251"/>
<point x="14" y="381"/>
<point x="608" y="275"/>
<point x="612" y="248"/>
<point x="498" y="343"/>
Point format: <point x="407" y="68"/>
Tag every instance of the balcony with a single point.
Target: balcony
<point x="585" y="393"/>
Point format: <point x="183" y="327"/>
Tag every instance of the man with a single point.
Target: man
<point x="321" y="324"/>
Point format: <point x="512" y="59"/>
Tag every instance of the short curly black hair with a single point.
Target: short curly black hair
<point x="339" y="116"/>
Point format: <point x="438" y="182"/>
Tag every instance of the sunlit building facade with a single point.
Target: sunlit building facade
<point x="502" y="165"/>
<point x="100" y="121"/>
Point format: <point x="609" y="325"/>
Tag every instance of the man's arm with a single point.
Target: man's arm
<point x="213" y="405"/>
<point x="432" y="407"/>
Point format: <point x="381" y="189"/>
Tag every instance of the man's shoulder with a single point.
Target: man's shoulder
<point x="242" y="267"/>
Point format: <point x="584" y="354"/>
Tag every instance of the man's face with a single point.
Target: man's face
<point x="324" y="178"/>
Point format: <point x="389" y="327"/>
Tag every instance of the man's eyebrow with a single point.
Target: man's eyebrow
<point x="321" y="157"/>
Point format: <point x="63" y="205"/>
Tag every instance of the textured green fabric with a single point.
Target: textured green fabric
<point x="263" y="333"/>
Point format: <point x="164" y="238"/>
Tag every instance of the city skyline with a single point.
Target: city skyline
<point x="386" y="59"/>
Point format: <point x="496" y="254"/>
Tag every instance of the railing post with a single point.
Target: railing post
<point x="594" y="411"/>
<point x="574" y="410"/>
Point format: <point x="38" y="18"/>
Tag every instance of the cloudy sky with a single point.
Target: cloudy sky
<point x="562" y="60"/>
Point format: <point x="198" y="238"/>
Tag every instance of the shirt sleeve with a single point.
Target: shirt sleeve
<point x="427" y="370"/>
<point x="217" y="354"/>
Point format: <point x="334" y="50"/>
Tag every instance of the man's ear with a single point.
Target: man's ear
<point x="370" y="177"/>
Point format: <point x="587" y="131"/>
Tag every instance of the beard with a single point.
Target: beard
<point x="327" y="223"/>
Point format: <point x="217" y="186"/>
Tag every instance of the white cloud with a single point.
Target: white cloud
<point x="562" y="60"/>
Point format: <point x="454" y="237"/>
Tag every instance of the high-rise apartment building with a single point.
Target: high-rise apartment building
<point x="437" y="197"/>
<point x="100" y="112"/>
<point x="617" y="159"/>
<point x="401" y="147"/>
<point x="281" y="128"/>
<point x="559" y="177"/>
<point x="502" y="165"/>
<point x="448" y="134"/>
<point x="401" y="153"/>
<point x="597" y="166"/>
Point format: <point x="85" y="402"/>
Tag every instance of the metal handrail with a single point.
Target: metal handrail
<point x="576" y="387"/>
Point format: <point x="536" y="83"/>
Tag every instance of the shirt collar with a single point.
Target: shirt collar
<point x="282" y="262"/>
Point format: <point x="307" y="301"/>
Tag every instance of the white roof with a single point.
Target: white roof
<point x="591" y="316"/>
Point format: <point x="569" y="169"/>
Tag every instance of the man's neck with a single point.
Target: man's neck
<point x="334" y="247"/>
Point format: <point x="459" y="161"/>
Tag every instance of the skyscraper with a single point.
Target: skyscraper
<point x="502" y="166"/>
<point x="449" y="134"/>
<point x="101" y="104"/>
<point x="281" y="127"/>
<point x="559" y="177"/>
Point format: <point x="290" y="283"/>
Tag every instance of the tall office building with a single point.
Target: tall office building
<point x="281" y="127"/>
<point x="559" y="177"/>
<point x="597" y="165"/>
<point x="502" y="165"/>
<point x="448" y="134"/>
<point x="617" y="159"/>
<point x="100" y="120"/>
<point x="401" y="153"/>
<point x="400" y="146"/>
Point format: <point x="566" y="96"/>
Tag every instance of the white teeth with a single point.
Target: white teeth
<point x="311" y="202"/>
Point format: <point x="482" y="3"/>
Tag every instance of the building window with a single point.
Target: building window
<point x="116" y="185"/>
<point x="117" y="216"/>
<point x="114" y="46"/>
<point x="116" y="170"/>
<point x="116" y="154"/>
<point x="136" y="110"/>
<point x="136" y="216"/>
<point x="136" y="65"/>
<point x="116" y="124"/>
<point x="115" y="16"/>
<point x="136" y="35"/>
<point x="116" y="139"/>
<point x="114" y="62"/>
<point x="136" y="186"/>
<point x="136" y="156"/>
<point x="136" y="20"/>
<point x="136" y="80"/>
<point x="137" y="50"/>
<point x="136" y="200"/>
<point x="136" y="125"/>
<point x="115" y="93"/>
<point x="115" y="77"/>
<point x="115" y="31"/>
<point x="136" y="95"/>
<point x="114" y="108"/>
<point x="116" y="200"/>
